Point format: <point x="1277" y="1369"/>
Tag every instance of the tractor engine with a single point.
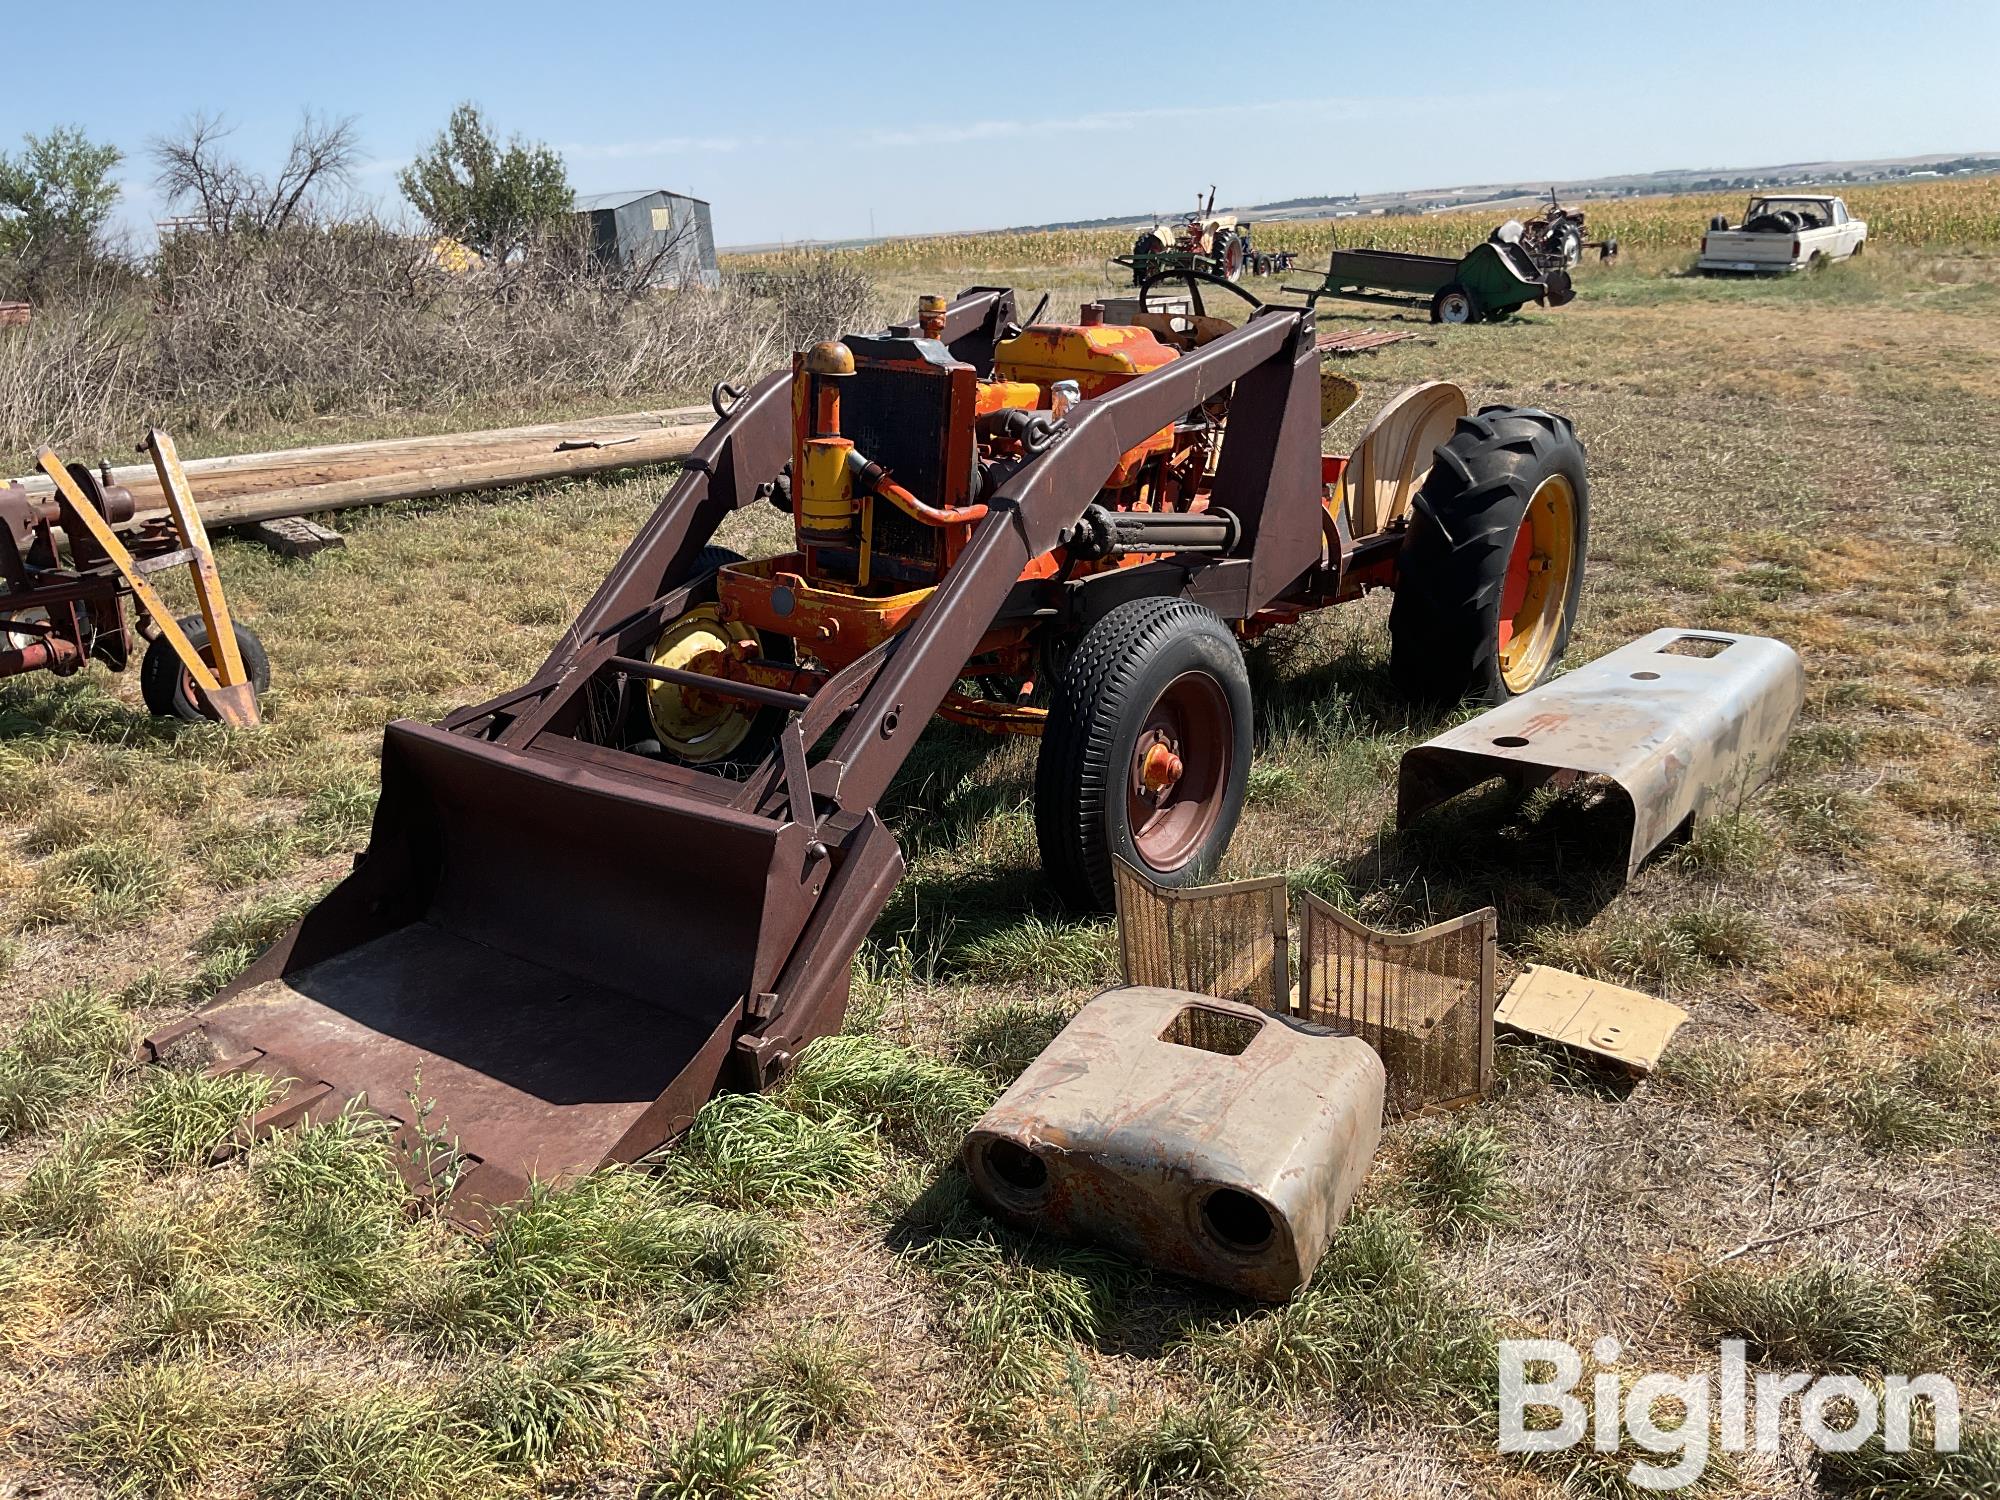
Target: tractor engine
<point x="896" y="447"/>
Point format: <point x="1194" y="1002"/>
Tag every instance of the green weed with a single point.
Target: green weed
<point x="1820" y="1315"/>
<point x="916" y="1101"/>
<point x="746" y="1151"/>
<point x="1458" y="1179"/>
<point x="1376" y="1322"/>
<point x="68" y="1047"/>
<point x="733" y="1457"/>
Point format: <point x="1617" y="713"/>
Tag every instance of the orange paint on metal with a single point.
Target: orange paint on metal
<point x="1008" y="395"/>
<point x="1160" y="769"/>
<point x="838" y="624"/>
<point x="1099" y="357"/>
<point x="1514" y="589"/>
<point x="993" y="718"/>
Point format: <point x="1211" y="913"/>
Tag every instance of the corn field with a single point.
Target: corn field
<point x="1959" y="213"/>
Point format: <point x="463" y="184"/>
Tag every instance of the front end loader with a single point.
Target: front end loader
<point x="589" y="904"/>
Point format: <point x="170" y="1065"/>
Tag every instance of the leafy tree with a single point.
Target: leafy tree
<point x="492" y="199"/>
<point x="55" y="199"/>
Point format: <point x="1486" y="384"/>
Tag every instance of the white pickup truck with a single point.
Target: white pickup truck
<point x="1782" y="234"/>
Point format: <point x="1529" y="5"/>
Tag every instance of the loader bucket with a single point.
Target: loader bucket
<point x="559" y="952"/>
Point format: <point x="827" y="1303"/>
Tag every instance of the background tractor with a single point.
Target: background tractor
<point x="1204" y="241"/>
<point x="594" y="900"/>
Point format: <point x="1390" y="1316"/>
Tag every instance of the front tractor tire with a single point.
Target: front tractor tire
<point x="1146" y="751"/>
<point x="1491" y="571"/>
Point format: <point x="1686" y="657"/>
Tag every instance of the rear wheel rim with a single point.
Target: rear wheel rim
<point x="1457" y="308"/>
<point x="1179" y="772"/>
<point x="1535" y="594"/>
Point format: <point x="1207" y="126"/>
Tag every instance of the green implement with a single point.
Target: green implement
<point x="1490" y="281"/>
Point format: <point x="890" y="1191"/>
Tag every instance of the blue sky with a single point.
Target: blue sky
<point x="817" y="120"/>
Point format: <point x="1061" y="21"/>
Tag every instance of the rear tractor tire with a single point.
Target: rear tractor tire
<point x="168" y="687"/>
<point x="1227" y="253"/>
<point x="1490" y="574"/>
<point x="1146" y="751"/>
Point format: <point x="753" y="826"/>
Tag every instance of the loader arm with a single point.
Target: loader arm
<point x="570" y="946"/>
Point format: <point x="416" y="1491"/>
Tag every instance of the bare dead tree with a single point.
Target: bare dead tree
<point x="321" y="157"/>
<point x="196" y="173"/>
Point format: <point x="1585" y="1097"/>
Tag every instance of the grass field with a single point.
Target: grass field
<point x="800" y="1301"/>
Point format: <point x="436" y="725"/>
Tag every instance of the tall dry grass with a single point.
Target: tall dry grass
<point x="253" y="332"/>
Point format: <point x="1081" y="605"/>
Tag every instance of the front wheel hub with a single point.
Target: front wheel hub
<point x="1158" y="769"/>
<point x="1179" y="772"/>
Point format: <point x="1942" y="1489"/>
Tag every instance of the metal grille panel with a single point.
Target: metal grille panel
<point x="1229" y="941"/>
<point x="1422" y="1000"/>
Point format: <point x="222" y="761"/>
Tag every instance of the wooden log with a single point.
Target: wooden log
<point x="252" y="474"/>
<point x="451" y="478"/>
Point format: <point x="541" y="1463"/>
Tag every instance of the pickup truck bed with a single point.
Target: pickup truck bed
<point x="1781" y="235"/>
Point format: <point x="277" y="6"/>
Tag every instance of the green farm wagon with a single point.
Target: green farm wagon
<point x="1489" y="282"/>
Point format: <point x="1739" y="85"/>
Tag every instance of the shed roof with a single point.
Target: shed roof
<point x="589" y="202"/>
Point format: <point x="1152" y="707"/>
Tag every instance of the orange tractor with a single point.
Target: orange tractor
<point x="642" y="876"/>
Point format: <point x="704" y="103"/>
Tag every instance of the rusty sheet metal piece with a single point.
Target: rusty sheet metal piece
<point x="1204" y="1137"/>
<point x="1624" y="1027"/>
<point x="1683" y="722"/>
<point x="1422" y="1000"/>
<point x="1230" y="941"/>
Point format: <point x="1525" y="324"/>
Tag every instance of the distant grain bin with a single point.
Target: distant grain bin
<point x="668" y="232"/>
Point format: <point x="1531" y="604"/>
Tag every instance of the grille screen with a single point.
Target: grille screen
<point x="1223" y="940"/>
<point x="899" y="418"/>
<point x="1422" y="1000"/>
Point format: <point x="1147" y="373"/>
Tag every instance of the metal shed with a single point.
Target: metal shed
<point x="651" y="225"/>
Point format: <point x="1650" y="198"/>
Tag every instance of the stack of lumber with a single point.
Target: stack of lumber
<point x="248" y="487"/>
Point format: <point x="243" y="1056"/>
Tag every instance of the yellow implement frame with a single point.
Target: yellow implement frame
<point x="225" y="686"/>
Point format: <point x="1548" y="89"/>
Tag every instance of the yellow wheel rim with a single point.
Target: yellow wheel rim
<point x="1536" y="592"/>
<point x="694" y="725"/>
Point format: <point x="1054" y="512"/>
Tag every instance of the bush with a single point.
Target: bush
<point x="351" y="316"/>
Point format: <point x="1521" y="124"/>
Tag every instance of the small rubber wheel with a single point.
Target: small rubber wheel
<point x="1491" y="571"/>
<point x="1454" y="304"/>
<point x="167" y="685"/>
<point x="1146" y="751"/>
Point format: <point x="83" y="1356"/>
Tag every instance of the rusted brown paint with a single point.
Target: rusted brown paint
<point x="1202" y="1136"/>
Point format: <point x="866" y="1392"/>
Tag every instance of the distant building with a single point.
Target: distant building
<point x="651" y="227"/>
